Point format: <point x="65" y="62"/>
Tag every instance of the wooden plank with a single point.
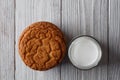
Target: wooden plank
<point x="6" y="39"/>
<point x="27" y="12"/>
<point x="85" y="17"/>
<point x="114" y="40"/>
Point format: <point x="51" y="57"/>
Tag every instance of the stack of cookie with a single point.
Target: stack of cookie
<point x="42" y="46"/>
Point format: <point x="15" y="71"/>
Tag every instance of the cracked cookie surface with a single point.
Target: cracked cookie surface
<point x="42" y="46"/>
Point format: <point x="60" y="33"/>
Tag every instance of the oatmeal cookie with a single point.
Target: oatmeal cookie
<point x="42" y="46"/>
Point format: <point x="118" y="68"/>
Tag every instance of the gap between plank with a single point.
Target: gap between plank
<point x="14" y="38"/>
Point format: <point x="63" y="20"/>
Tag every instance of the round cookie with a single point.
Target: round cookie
<point x="42" y="46"/>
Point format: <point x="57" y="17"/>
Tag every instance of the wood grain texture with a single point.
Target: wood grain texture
<point x="27" y="12"/>
<point x="6" y="39"/>
<point x="97" y="18"/>
<point x="114" y="40"/>
<point x="85" y="17"/>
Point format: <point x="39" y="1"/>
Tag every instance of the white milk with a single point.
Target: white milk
<point x="84" y="52"/>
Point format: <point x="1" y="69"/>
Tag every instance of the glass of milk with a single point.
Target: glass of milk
<point x="84" y="52"/>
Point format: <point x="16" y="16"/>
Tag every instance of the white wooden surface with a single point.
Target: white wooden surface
<point x="97" y="18"/>
<point x="7" y="66"/>
<point x="114" y="40"/>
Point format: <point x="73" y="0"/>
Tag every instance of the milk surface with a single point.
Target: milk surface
<point x="84" y="52"/>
